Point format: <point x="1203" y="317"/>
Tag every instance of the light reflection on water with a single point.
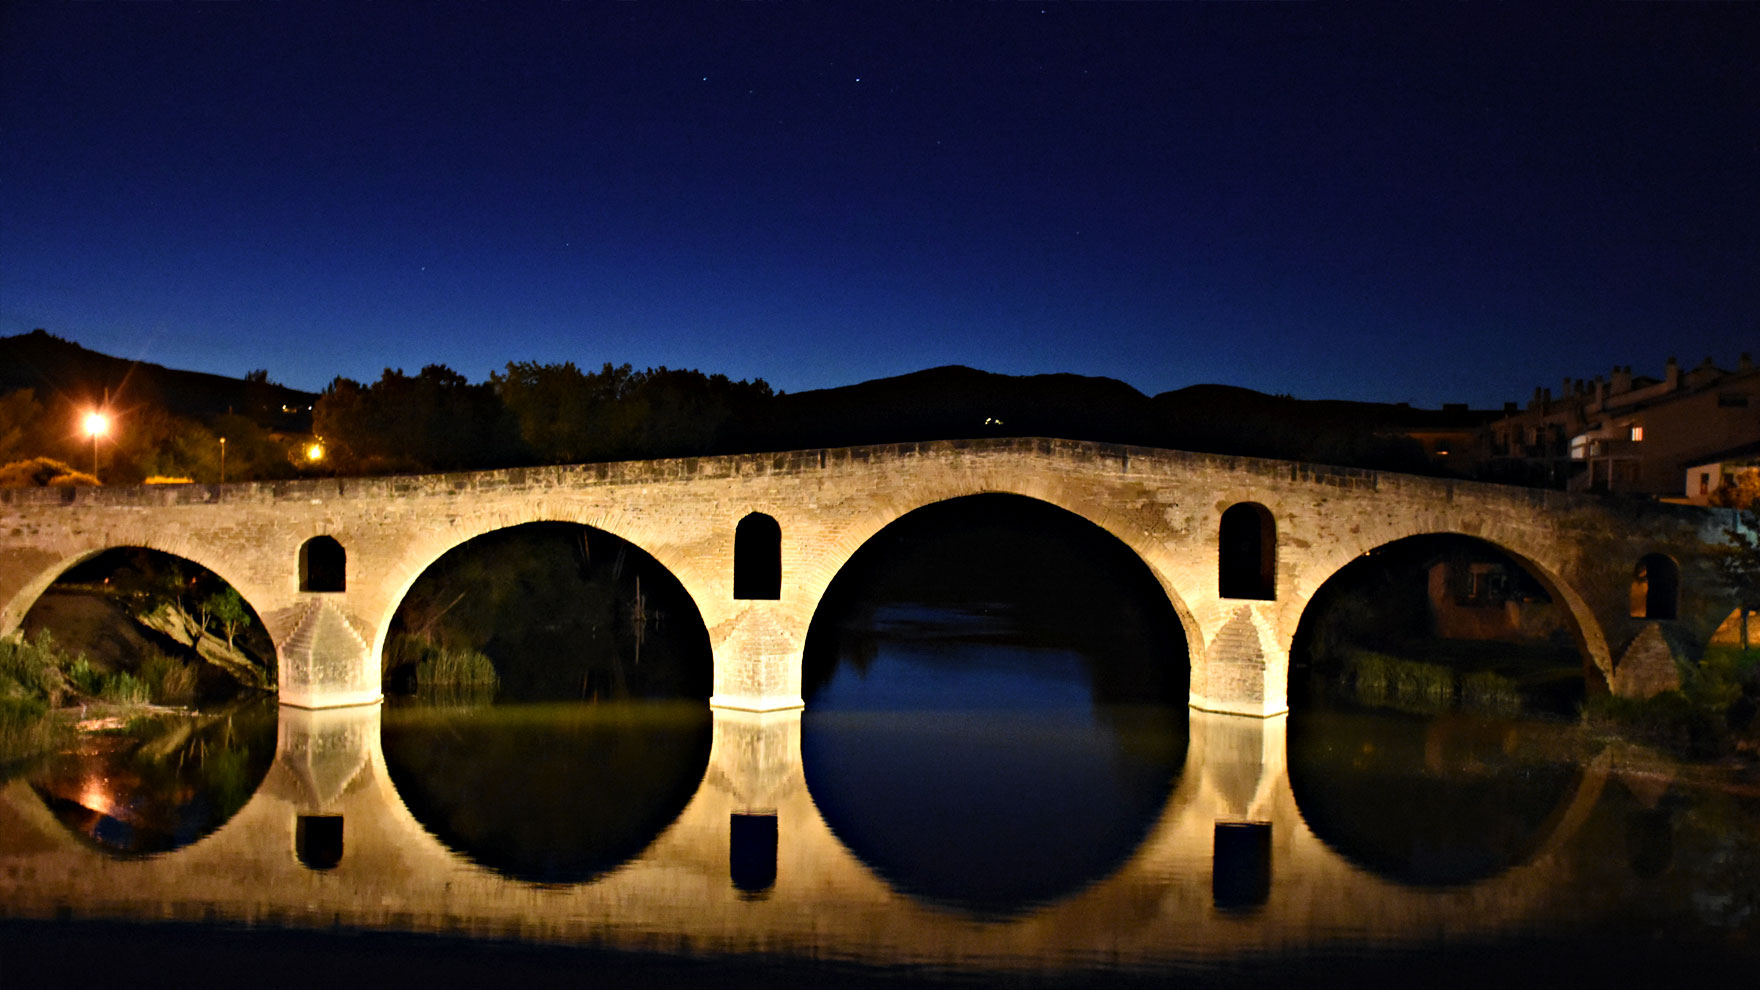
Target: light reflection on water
<point x="162" y="782"/>
<point x="951" y="807"/>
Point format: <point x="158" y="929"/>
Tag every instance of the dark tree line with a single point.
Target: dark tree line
<point x="533" y="414"/>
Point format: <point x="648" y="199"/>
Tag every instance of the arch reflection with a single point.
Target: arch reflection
<point x="995" y="704"/>
<point x="159" y="782"/>
<point x="555" y="793"/>
<point x="1427" y="802"/>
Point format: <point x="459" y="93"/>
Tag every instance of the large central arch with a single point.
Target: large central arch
<point x="1154" y="555"/>
<point x="980" y="733"/>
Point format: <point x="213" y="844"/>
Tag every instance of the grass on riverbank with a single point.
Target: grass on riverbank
<point x="1380" y="680"/>
<point x="38" y="677"/>
<point x="415" y="666"/>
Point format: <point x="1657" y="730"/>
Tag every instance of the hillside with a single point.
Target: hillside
<point x="60" y="371"/>
<point x="952" y="402"/>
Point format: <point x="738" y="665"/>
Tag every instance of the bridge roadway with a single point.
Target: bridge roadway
<point x="678" y="896"/>
<point x="1166" y="506"/>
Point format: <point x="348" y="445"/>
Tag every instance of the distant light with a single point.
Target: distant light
<point x="97" y="424"/>
<point x="315" y="452"/>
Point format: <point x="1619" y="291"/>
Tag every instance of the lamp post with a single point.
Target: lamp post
<point x="97" y="424"/>
<point x="223" y="460"/>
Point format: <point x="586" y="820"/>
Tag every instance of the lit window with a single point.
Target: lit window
<point x="1637" y="433"/>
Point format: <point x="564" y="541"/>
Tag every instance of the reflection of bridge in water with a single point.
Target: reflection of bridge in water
<point x="1189" y="892"/>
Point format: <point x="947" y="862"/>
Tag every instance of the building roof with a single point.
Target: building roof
<point x="1745" y="451"/>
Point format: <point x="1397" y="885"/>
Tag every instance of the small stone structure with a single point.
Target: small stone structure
<point x="1166" y="506"/>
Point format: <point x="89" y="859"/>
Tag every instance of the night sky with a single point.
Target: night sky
<point x="1431" y="203"/>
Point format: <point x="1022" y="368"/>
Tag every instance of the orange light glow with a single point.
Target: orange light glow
<point x="97" y="424"/>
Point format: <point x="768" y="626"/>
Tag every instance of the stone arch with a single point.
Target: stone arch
<point x="1142" y="545"/>
<point x="1591" y="640"/>
<point x="1246" y="553"/>
<point x="1656" y="587"/>
<point x="323" y="565"/>
<point x="12" y="612"/>
<point x="757" y="558"/>
<point x="422" y="554"/>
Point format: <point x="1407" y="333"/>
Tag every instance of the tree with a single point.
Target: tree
<point x="227" y="608"/>
<point x="432" y="421"/>
<point x="21" y="417"/>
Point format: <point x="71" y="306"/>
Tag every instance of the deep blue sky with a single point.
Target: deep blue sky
<point x="1428" y="204"/>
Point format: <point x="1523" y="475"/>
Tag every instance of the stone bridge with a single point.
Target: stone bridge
<point x="1240" y="545"/>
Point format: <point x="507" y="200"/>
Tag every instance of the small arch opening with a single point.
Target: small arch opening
<point x="1247" y="553"/>
<point x="323" y="565"/>
<point x="1656" y="588"/>
<point x="757" y="558"/>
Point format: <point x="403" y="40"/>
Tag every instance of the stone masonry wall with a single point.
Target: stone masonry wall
<point x="1165" y="505"/>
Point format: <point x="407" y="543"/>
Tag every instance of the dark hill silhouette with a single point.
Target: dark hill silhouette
<point x="946" y="403"/>
<point x="60" y="371"/>
<point x="956" y="402"/>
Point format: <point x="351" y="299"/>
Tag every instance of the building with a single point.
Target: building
<point x="1708" y="473"/>
<point x="1628" y="434"/>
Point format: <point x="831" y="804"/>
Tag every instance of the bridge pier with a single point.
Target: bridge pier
<point x="1245" y="666"/>
<point x="757" y="656"/>
<point x="324" y="660"/>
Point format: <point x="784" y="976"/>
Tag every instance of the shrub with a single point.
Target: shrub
<point x="27" y="729"/>
<point x="168" y="680"/>
<point x="40" y="472"/>
<point x="33" y="668"/>
<point x="1380" y="680"/>
<point x="455" y="667"/>
<point x="83" y="677"/>
<point x="124" y="688"/>
<point x="1492" y="692"/>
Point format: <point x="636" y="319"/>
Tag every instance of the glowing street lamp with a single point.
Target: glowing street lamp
<point x="97" y="424"/>
<point x="223" y="460"/>
<point x="314" y="452"/>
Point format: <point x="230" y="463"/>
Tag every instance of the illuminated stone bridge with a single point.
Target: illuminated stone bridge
<point x="1240" y="546"/>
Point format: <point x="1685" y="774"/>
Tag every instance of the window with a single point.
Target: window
<point x="1637" y="434"/>
<point x="1704" y="482"/>
<point x="322" y="563"/>
<point x="757" y="558"/>
<point x="1656" y="588"/>
<point x="1247" y="553"/>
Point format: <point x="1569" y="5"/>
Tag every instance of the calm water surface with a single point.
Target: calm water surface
<point x="974" y="793"/>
